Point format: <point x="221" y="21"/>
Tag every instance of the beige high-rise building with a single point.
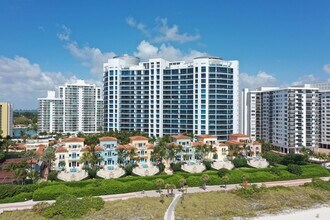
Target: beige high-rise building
<point x="6" y="119"/>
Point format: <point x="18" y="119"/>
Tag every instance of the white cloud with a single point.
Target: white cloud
<point x="146" y="50"/>
<point x="65" y="33"/>
<point x="262" y="79"/>
<point x="90" y="56"/>
<point x="171" y="34"/>
<point x="326" y="68"/>
<point x="138" y="25"/>
<point x="22" y="82"/>
<point x="306" y="79"/>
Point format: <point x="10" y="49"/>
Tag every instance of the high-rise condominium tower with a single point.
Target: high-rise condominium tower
<point x="161" y="97"/>
<point x="288" y="118"/>
<point x="78" y="108"/>
<point x="6" y="119"/>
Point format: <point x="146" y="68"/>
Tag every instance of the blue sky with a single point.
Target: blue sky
<point x="46" y="43"/>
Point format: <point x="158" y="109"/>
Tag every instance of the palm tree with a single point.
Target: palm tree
<point x="31" y="155"/>
<point x="20" y="175"/>
<point x="33" y="175"/>
<point x="48" y="156"/>
<point x="170" y="187"/>
<point x="233" y="150"/>
<point x="225" y="179"/>
<point x="91" y="157"/>
<point x="159" y="184"/>
<point x="132" y="155"/>
<point x="122" y="155"/>
<point x="204" y="179"/>
<point x="182" y="183"/>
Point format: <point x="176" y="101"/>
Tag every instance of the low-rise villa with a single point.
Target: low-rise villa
<point x="248" y="147"/>
<point x="67" y="159"/>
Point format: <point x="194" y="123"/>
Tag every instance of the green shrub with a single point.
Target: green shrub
<point x="275" y="171"/>
<point x="240" y="162"/>
<point x="69" y="206"/>
<point x="298" y="159"/>
<point x="128" y="169"/>
<point x="18" y="198"/>
<point x="10" y="190"/>
<point x="91" y="172"/>
<point x="223" y="172"/>
<point x="249" y="190"/>
<point x="207" y="164"/>
<point x="295" y="169"/>
<point x="52" y="176"/>
<point x="161" y="167"/>
<point x="176" y="167"/>
<point x="272" y="158"/>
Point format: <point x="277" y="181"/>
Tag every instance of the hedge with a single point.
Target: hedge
<point x="18" y="198"/>
<point x="51" y="190"/>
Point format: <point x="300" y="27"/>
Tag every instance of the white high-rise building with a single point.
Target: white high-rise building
<point x="161" y="97"/>
<point x="288" y="118"/>
<point x="325" y="122"/>
<point x="79" y="108"/>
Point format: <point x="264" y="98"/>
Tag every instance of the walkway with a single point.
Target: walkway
<point x="152" y="193"/>
<point x="169" y="214"/>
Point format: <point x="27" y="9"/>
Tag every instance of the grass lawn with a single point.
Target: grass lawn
<point x="139" y="208"/>
<point x="226" y="205"/>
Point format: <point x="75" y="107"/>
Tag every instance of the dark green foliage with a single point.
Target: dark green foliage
<point x="128" y="169"/>
<point x="18" y="198"/>
<point x="240" y="162"/>
<point x="161" y="167"/>
<point x="69" y="206"/>
<point x="92" y="172"/>
<point x="298" y="159"/>
<point x="10" y="190"/>
<point x="272" y="158"/>
<point x="52" y="176"/>
<point x="295" y="169"/>
<point x="223" y="172"/>
<point x="249" y="190"/>
<point x="208" y="164"/>
<point x="275" y="170"/>
<point x="176" y="167"/>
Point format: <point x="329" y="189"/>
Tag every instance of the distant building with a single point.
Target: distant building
<point x="78" y="108"/>
<point x="6" y="119"/>
<point x="161" y="97"/>
<point x="288" y="118"/>
<point x="324" y="146"/>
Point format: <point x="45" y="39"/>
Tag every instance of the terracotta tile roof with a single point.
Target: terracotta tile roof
<point x="234" y="143"/>
<point x="18" y="146"/>
<point x="172" y="145"/>
<point x="97" y="148"/>
<point x="197" y="144"/>
<point x="238" y="135"/>
<point x="206" y="136"/>
<point x="40" y="150"/>
<point x="151" y="146"/>
<point x="108" y="138"/>
<point x="61" y="149"/>
<point x="256" y="143"/>
<point x="124" y="146"/>
<point x="75" y="139"/>
<point x="138" y="138"/>
<point x="180" y="136"/>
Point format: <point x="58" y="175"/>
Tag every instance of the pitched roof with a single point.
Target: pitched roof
<point x="61" y="149"/>
<point x="234" y="143"/>
<point x="138" y="138"/>
<point x="238" y="135"/>
<point x="197" y="144"/>
<point x="180" y="136"/>
<point x="40" y="150"/>
<point x="124" y="146"/>
<point x="74" y="139"/>
<point x="172" y="145"/>
<point x="108" y="138"/>
<point x="97" y="148"/>
<point x="151" y="146"/>
<point x="206" y="136"/>
<point x="256" y="143"/>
